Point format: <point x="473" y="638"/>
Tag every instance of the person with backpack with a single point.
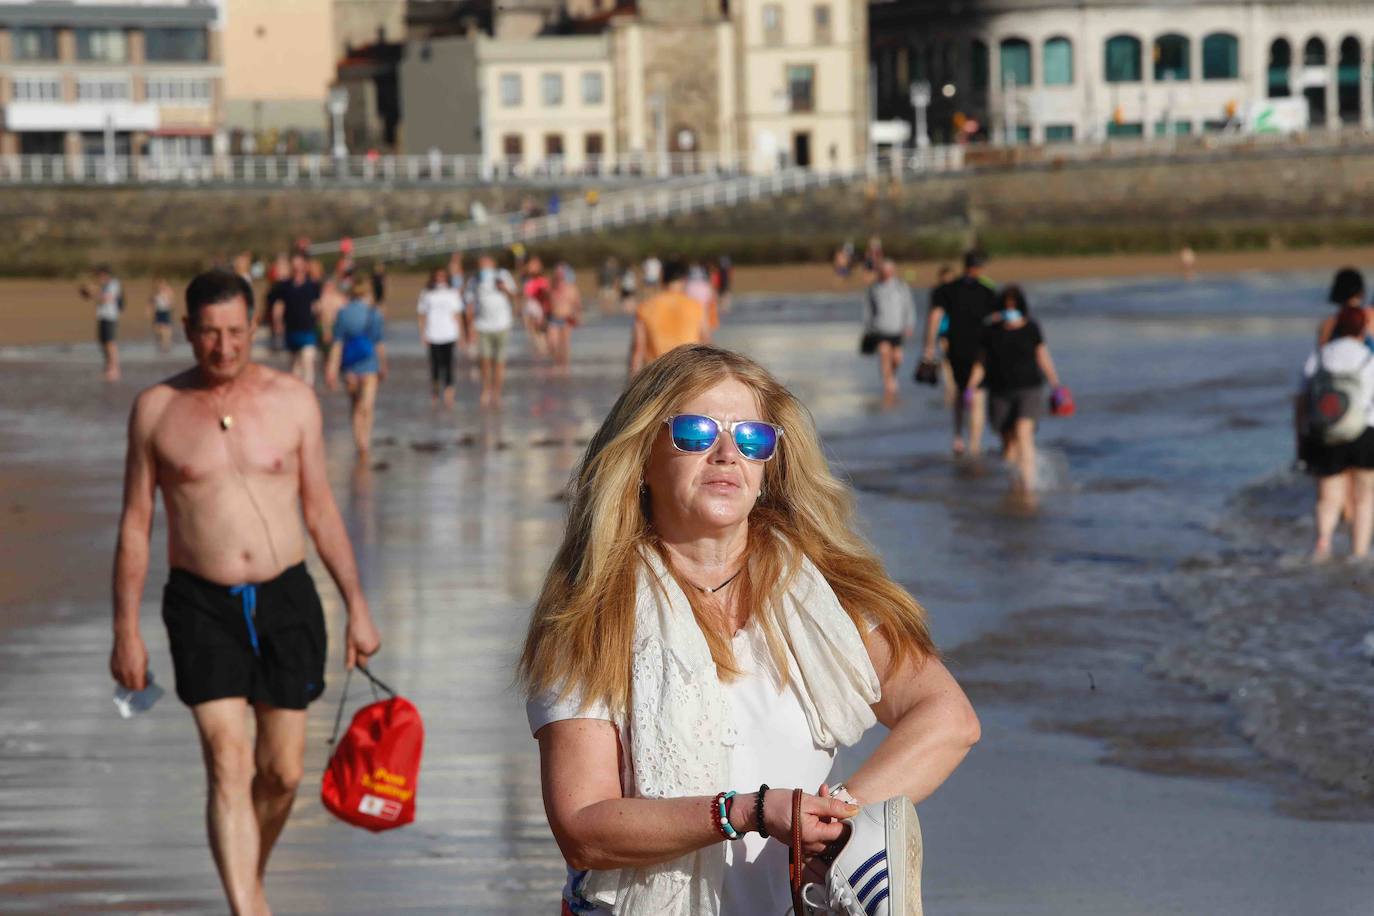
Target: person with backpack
<point x="359" y="353"/>
<point x="1335" y="408"/>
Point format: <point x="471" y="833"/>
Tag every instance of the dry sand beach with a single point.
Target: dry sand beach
<point x="1174" y="707"/>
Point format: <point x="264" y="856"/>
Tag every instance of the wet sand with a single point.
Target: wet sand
<point x="454" y="521"/>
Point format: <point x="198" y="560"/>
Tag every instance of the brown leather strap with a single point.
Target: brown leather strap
<point x="795" y="863"/>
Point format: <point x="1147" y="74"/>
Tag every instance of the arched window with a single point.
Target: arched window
<point x="1314" y="53"/>
<point x="1172" y="58"/>
<point x="1220" y="57"/>
<point x="1015" y="57"/>
<point x="980" y="61"/>
<point x="1348" y="81"/>
<point x="1314" y="85"/>
<point x="1123" y="59"/>
<point x="1058" y="65"/>
<point x="1280" y="69"/>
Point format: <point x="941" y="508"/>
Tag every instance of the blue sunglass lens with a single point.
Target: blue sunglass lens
<point x="756" y="440"/>
<point x="692" y="433"/>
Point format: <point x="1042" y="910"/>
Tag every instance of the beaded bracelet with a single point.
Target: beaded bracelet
<point x="720" y="815"/>
<point x="758" y="810"/>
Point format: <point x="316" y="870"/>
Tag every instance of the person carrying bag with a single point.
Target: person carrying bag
<point x="373" y="775"/>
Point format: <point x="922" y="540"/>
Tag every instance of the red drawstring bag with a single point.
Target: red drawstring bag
<point x="372" y="778"/>
<point x="1061" y="402"/>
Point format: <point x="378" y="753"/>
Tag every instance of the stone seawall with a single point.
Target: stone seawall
<point x="1241" y="201"/>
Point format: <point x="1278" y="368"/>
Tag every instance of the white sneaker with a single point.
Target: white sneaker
<point x="878" y="873"/>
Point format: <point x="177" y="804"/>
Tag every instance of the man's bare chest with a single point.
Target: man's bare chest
<point x="199" y="443"/>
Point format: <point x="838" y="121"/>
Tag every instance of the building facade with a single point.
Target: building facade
<point x="279" y="61"/>
<point x="546" y="100"/>
<point x="1031" y="71"/>
<point x="759" y="82"/>
<point x="96" y="78"/>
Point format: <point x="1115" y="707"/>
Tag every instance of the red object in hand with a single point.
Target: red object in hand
<point x="1061" y="402"/>
<point x="372" y="778"/>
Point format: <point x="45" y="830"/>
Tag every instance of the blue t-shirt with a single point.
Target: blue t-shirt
<point x="359" y="327"/>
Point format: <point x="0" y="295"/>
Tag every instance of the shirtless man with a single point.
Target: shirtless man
<point x="565" y="310"/>
<point x="238" y="451"/>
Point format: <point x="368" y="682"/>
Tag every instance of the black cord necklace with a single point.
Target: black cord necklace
<point x="712" y="591"/>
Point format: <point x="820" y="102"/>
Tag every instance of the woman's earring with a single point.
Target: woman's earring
<point x="642" y="489"/>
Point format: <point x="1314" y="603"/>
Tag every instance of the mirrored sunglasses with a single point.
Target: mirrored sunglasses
<point x="755" y="439"/>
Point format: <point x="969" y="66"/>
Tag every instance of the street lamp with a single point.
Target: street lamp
<point x="920" y="103"/>
<point x="338" y="106"/>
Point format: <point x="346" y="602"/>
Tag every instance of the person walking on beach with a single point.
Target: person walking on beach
<point x="1015" y="362"/>
<point x="108" y="294"/>
<point x="767" y="634"/>
<point x="968" y="301"/>
<point x="1338" y="445"/>
<point x="628" y="288"/>
<point x="889" y="319"/>
<point x="565" y="311"/>
<point x="535" y="312"/>
<point x="667" y="319"/>
<point x="492" y="315"/>
<point x="294" y="304"/>
<point x="238" y="452"/>
<point x="160" y="309"/>
<point x="1347" y="291"/>
<point x="359" y="354"/>
<point x="441" y="327"/>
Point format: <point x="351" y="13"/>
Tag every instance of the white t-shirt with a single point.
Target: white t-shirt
<point x="441" y="307"/>
<point x="107" y="301"/>
<point x="493" y="309"/>
<point x="1346" y="354"/>
<point x="774" y="747"/>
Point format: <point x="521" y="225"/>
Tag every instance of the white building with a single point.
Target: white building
<point x="1044" y="71"/>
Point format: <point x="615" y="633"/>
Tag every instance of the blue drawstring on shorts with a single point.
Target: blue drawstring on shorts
<point x="250" y="610"/>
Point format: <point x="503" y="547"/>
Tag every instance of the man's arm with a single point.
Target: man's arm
<point x="639" y="347"/>
<point x="937" y="312"/>
<point x="326" y="528"/>
<point x="129" y="657"/>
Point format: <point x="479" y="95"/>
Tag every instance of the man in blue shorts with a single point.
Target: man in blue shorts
<point x="294" y="304"/>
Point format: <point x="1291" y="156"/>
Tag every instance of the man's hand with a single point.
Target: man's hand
<point x="362" y="638"/>
<point x="129" y="661"/>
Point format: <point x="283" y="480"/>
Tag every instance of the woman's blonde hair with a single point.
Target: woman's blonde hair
<point x="581" y="633"/>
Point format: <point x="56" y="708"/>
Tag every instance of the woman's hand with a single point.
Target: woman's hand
<point x="820" y="824"/>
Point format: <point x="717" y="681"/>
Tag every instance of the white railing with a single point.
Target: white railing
<point x="315" y="169"/>
<point x="628" y="208"/>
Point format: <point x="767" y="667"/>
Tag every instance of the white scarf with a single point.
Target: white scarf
<point x="680" y="729"/>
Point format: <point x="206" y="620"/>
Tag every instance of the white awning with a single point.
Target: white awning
<point x="83" y="116"/>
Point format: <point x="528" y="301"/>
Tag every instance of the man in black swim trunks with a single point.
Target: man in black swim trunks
<point x="238" y="451"/>
<point x="969" y="301"/>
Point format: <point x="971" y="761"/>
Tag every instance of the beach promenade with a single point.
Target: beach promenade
<point x="1060" y="620"/>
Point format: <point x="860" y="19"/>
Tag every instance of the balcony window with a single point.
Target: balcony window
<point x="1058" y="69"/>
<point x="513" y="147"/>
<point x="594" y="146"/>
<point x="102" y="89"/>
<point x="1123" y="59"/>
<point x="175" y="45"/>
<point x="176" y="90"/>
<point x="772" y="24"/>
<point x="593" y="88"/>
<point x="551" y="89"/>
<point x="33" y="43"/>
<point x="553" y="146"/>
<point x="36" y="89"/>
<point x="1280" y="69"/>
<point x="109" y="46"/>
<point x="801" y="88"/>
<point x="512" y="93"/>
<point x="821" y="16"/>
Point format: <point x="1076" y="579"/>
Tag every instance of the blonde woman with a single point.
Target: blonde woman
<point x="711" y="623"/>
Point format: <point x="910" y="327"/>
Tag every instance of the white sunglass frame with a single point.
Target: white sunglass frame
<point x="728" y="428"/>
